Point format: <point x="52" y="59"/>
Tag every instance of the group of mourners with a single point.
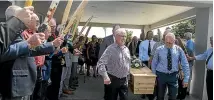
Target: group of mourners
<point x="33" y="68"/>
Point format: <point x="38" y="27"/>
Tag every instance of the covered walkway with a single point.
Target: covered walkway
<point x="92" y="89"/>
<point x="144" y="15"/>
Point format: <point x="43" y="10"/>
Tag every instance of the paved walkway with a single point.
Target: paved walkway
<point x="92" y="89"/>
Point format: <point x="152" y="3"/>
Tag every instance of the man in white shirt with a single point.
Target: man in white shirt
<point x="145" y="48"/>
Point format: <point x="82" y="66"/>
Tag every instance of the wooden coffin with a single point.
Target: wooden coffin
<point x="142" y="80"/>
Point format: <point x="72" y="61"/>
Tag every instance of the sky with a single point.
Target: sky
<point x="100" y="32"/>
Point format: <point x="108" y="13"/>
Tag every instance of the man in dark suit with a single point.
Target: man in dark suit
<point x="142" y="38"/>
<point x="106" y="42"/>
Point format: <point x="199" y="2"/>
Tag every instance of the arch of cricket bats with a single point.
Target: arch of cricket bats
<point x="74" y="19"/>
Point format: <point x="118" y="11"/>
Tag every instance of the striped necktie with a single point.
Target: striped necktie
<point x="169" y="58"/>
<point x="149" y="49"/>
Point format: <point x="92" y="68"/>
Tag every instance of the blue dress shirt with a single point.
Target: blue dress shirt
<point x="205" y="56"/>
<point x="190" y="45"/>
<point x="159" y="61"/>
<point x="143" y="49"/>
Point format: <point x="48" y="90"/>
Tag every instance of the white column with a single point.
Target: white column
<point x="104" y="28"/>
<point x="204" y="25"/>
<point x="19" y="3"/>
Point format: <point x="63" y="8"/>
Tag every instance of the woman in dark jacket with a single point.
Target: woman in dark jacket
<point x="92" y="54"/>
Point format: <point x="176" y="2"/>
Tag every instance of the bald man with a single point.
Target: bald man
<point x="165" y="65"/>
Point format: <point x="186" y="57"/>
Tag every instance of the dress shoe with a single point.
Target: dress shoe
<point x="68" y="92"/>
<point x="143" y="96"/>
<point x="72" y="87"/>
<point x="187" y="93"/>
<point x="94" y="76"/>
<point x="63" y="95"/>
<point x="88" y="74"/>
<point x="76" y="85"/>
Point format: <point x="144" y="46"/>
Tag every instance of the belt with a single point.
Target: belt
<point x="168" y="73"/>
<point x="114" y="77"/>
<point x="209" y="70"/>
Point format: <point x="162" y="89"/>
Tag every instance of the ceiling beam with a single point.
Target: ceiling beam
<point x="198" y="4"/>
<point x="111" y="25"/>
<point x="175" y="19"/>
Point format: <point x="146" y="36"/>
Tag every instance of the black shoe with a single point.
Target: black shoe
<point x="76" y="85"/>
<point x="178" y="97"/>
<point x="76" y="82"/>
<point x="143" y="96"/>
<point x="94" y="76"/>
<point x="187" y="93"/>
<point x="73" y="88"/>
<point x="63" y="96"/>
<point x="88" y="74"/>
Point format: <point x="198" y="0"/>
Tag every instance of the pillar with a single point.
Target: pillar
<point x="204" y="25"/>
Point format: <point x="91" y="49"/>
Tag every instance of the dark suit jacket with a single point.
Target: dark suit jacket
<point x="137" y="49"/>
<point x="106" y="42"/>
<point x="9" y="32"/>
<point x="18" y="68"/>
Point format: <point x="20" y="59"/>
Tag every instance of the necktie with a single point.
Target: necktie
<point x="169" y="58"/>
<point x="209" y="58"/>
<point x="149" y="49"/>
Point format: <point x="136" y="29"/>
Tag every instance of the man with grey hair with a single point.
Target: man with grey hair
<point x="190" y="47"/>
<point x="18" y="59"/>
<point x="14" y="26"/>
<point x="11" y="11"/>
<point x="165" y="64"/>
<point x="116" y="58"/>
<point x="106" y="42"/>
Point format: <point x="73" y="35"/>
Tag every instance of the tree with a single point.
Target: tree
<point x="128" y="36"/>
<point x="184" y="26"/>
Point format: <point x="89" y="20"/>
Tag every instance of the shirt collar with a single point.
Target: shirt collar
<point x="169" y="48"/>
<point x="122" y="47"/>
<point x="113" y="38"/>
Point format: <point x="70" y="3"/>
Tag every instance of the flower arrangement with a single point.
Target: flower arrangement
<point x="136" y="63"/>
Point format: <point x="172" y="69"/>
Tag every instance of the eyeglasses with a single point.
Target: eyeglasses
<point x="121" y="35"/>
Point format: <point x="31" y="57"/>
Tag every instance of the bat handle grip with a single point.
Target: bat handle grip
<point x="52" y="54"/>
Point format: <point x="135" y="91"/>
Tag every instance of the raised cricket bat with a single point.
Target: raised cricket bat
<point x="64" y="19"/>
<point x="28" y="3"/>
<point x="73" y="17"/>
<point x="49" y="15"/>
<point x="85" y="25"/>
<point x="182" y="45"/>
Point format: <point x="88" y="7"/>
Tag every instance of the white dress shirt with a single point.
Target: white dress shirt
<point x="143" y="49"/>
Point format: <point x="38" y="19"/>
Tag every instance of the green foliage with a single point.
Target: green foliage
<point x="184" y="26"/>
<point x="128" y="36"/>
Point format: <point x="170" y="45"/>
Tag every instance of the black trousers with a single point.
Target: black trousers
<point x="37" y="93"/>
<point x="118" y="86"/>
<point x="53" y="89"/>
<point x="181" y="91"/>
<point x="209" y="81"/>
<point x="146" y="62"/>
